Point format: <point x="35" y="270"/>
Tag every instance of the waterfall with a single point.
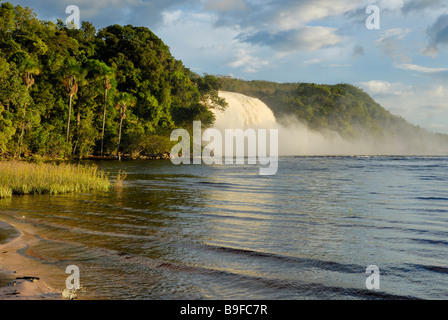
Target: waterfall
<point x="244" y="112"/>
<point x="295" y="138"/>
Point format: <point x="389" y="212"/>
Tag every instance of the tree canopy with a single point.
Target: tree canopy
<point x="59" y="88"/>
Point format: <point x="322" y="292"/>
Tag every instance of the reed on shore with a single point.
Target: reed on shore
<point x="20" y="178"/>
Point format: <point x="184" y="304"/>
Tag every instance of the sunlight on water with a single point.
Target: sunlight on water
<point x="224" y="232"/>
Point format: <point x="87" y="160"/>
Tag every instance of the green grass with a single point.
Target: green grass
<point x="19" y="178"/>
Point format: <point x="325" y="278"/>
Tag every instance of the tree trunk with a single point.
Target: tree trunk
<point x="78" y="117"/>
<point x="69" y="115"/>
<point x="23" y="131"/>
<point x="104" y="121"/>
<point x="119" y="135"/>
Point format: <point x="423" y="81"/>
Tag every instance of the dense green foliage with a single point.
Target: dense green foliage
<point x="342" y="108"/>
<point x="74" y="92"/>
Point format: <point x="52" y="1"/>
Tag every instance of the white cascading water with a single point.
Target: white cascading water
<point x="244" y="112"/>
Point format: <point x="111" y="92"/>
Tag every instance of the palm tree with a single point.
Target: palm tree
<point x="124" y="101"/>
<point x="102" y="72"/>
<point x="107" y="86"/>
<point x="27" y="67"/>
<point x="73" y="74"/>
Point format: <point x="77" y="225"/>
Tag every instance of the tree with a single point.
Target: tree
<point x="208" y="87"/>
<point x="6" y="131"/>
<point x="124" y="101"/>
<point x="105" y="74"/>
<point x="27" y="67"/>
<point x="14" y="97"/>
<point x="73" y="74"/>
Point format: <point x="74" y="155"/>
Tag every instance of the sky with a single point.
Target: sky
<point x="397" y="53"/>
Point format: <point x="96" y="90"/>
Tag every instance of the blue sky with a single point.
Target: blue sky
<point x="403" y="64"/>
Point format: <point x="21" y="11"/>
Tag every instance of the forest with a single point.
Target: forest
<point x="69" y="93"/>
<point x="72" y="92"/>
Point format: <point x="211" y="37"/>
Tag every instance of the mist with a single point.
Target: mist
<point x="295" y="138"/>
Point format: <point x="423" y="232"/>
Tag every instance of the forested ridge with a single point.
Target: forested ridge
<point x="68" y="93"/>
<point x="341" y="108"/>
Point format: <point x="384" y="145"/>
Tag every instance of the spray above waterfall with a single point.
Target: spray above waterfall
<point x="295" y="138"/>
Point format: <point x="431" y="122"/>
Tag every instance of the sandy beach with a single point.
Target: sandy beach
<point x="20" y="277"/>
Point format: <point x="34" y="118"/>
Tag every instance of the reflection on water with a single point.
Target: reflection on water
<point x="224" y="232"/>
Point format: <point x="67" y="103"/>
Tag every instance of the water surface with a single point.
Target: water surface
<point x="225" y="232"/>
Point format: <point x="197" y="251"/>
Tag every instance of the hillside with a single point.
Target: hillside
<point x="342" y="108"/>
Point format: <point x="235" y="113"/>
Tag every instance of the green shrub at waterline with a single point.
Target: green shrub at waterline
<point x="20" y="178"/>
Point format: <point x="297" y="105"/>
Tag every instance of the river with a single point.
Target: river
<point x="225" y="232"/>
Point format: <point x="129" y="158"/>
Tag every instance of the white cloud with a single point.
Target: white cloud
<point x="389" y="43"/>
<point x="378" y="88"/>
<point x="320" y="62"/>
<point x="306" y="39"/>
<point x="398" y="33"/>
<point x="288" y="15"/>
<point x="311" y="62"/>
<point x="423" y="105"/>
<point x="414" y="67"/>
<point x="209" y="49"/>
<point x="441" y="92"/>
<point x="312" y="38"/>
<point x="246" y="61"/>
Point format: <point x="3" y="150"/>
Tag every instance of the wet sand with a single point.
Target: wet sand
<point x="20" y="276"/>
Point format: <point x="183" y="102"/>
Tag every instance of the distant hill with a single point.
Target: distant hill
<point x="341" y="108"/>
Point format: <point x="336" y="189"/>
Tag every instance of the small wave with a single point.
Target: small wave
<point x="281" y="287"/>
<point x="432" y="198"/>
<point x="432" y="178"/>
<point x="437" y="269"/>
<point x="304" y="262"/>
<point x="321" y="291"/>
<point x="431" y="242"/>
<point x="218" y="184"/>
<point x="432" y="268"/>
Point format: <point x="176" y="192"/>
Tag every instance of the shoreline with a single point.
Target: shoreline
<point x="150" y="156"/>
<point x="20" y="277"/>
